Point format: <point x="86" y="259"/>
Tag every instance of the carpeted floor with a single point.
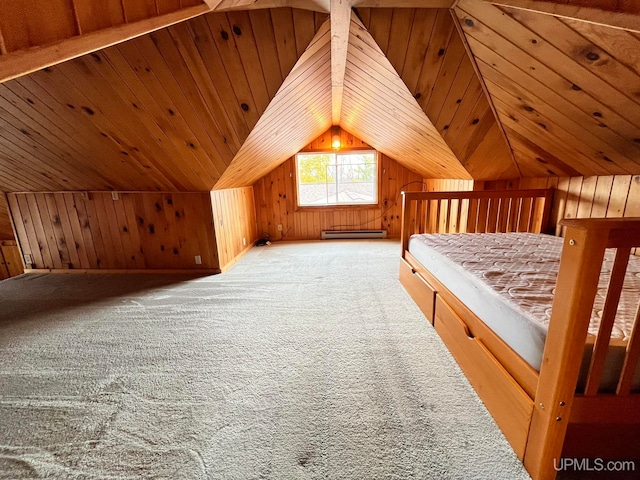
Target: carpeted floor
<point x="304" y="361"/>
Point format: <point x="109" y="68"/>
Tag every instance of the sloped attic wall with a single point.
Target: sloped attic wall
<point x="566" y="91"/>
<point x="428" y="53"/>
<point x="166" y="111"/>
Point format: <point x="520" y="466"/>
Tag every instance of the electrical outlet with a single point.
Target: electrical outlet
<point x="114" y="196"/>
<point x="28" y="259"/>
<point x="244" y="241"/>
<point x="198" y="260"/>
<point x="279" y="227"/>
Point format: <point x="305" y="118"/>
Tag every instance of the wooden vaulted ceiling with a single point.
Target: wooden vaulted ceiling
<point x="487" y="89"/>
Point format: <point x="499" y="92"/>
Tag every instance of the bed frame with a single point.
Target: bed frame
<point x="541" y="414"/>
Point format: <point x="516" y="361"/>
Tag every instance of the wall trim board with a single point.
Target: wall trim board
<point x="160" y="271"/>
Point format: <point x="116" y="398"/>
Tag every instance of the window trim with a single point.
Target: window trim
<point x="354" y="206"/>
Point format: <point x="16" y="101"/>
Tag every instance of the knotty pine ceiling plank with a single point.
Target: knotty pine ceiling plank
<point x="621" y="44"/>
<point x="142" y="128"/>
<point x="149" y="102"/>
<point x="417" y="47"/>
<point x="282" y="19"/>
<point x="550" y="115"/>
<point x="545" y="52"/>
<point x="102" y="151"/>
<point x="582" y="52"/>
<point x="228" y="50"/>
<point x="95" y="15"/>
<point x="249" y="58"/>
<point x="399" y="35"/>
<point x="535" y="94"/>
<point x="19" y="138"/>
<point x="304" y="29"/>
<point x="196" y="45"/>
<point x="439" y="42"/>
<point x="267" y="50"/>
<point x="108" y="122"/>
<point x="541" y="58"/>
<point x="298" y="113"/>
<point x="51" y="126"/>
<point x="166" y="99"/>
<point x="200" y="102"/>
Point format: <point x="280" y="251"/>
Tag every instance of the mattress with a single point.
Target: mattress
<point x="508" y="281"/>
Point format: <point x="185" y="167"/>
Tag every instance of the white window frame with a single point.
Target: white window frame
<point x="376" y="181"/>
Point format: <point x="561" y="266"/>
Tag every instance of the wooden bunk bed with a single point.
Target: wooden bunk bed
<point x="541" y="412"/>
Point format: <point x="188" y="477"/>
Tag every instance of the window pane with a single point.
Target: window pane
<point x="347" y="178"/>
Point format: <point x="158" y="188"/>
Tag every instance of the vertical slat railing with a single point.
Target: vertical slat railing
<point x="631" y="358"/>
<point x="472" y="215"/>
<point x="580" y="269"/>
<point x="472" y="211"/>
<point x="609" y="311"/>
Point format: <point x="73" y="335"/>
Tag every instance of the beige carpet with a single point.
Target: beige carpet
<point x="304" y="361"/>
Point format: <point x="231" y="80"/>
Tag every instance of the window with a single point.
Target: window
<point x="337" y="178"/>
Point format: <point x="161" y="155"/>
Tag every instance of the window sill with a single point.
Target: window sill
<point x="307" y="208"/>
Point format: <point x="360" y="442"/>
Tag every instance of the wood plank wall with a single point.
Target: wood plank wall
<point x="449" y="185"/>
<point x="10" y="261"/>
<point x="275" y="199"/>
<point x="166" y="111"/>
<point x="564" y="89"/>
<point x="41" y="22"/>
<point x="429" y="55"/>
<point x="611" y="196"/>
<point x="6" y="231"/>
<point x="234" y="217"/>
<point x="136" y="231"/>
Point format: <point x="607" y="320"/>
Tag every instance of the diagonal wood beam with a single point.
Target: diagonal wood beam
<point x="340" y="24"/>
<point x="622" y="15"/>
<point x="23" y="62"/>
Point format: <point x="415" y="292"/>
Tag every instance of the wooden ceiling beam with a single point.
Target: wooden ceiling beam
<point x="314" y="5"/>
<point x="23" y="62"/>
<point x="403" y="3"/>
<point x="622" y="15"/>
<point x="214" y="3"/>
<point x="324" y="5"/>
<point x="340" y="24"/>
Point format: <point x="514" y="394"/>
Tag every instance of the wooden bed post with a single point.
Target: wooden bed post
<point x="546" y="215"/>
<point x="580" y="265"/>
<point x="406" y="219"/>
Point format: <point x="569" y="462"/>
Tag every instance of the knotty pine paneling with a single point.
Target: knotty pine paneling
<point x="10" y="261"/>
<point x="566" y="91"/>
<point x="426" y="50"/>
<point x="234" y="217"/>
<point x="6" y="231"/>
<point x="610" y="196"/>
<point x="136" y="231"/>
<point x="300" y="111"/>
<point x="448" y="185"/>
<point x="167" y="111"/>
<point x="275" y="197"/>
<point x="37" y="23"/>
<point x="378" y="107"/>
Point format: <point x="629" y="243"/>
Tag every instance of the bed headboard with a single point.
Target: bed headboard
<point x="475" y="212"/>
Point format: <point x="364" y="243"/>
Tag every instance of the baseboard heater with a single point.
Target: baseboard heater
<point x="331" y="234"/>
